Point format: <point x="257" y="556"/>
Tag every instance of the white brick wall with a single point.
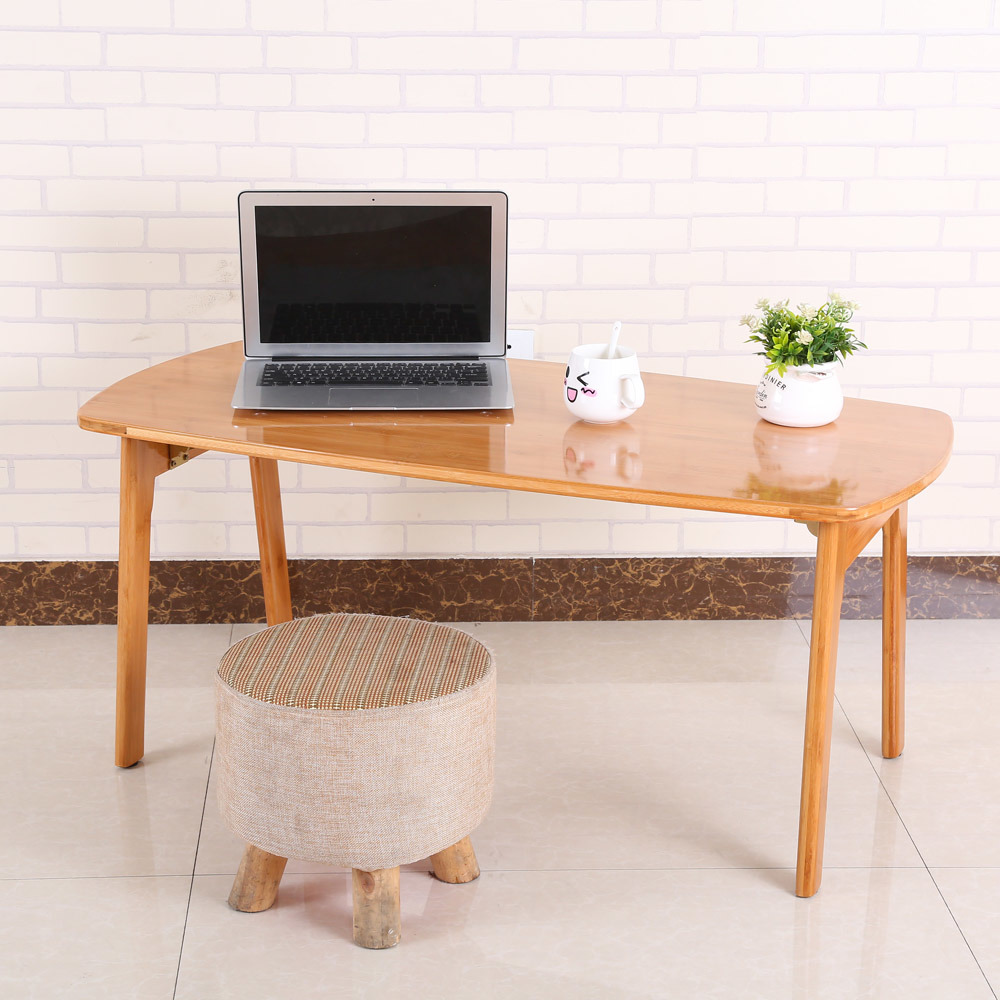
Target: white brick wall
<point x="668" y="161"/>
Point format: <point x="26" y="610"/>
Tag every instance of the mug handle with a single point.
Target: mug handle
<point x="633" y="392"/>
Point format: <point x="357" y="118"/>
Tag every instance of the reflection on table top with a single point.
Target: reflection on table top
<point x="695" y="443"/>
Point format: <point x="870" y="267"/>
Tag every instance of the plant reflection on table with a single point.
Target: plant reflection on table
<point x="795" y="464"/>
<point x="602" y="452"/>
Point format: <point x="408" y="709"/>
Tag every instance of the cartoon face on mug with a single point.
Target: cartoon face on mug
<point x="576" y="382"/>
<point x="599" y="388"/>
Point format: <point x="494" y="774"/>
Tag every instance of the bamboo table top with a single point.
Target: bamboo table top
<point x="694" y="444"/>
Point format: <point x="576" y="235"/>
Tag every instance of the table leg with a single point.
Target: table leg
<point x="827" y="598"/>
<point x="893" y="631"/>
<point x="141" y="463"/>
<point x="271" y="539"/>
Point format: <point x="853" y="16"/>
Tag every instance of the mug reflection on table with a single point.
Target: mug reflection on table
<point x="602" y="453"/>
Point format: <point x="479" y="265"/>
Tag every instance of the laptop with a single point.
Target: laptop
<point x="374" y="300"/>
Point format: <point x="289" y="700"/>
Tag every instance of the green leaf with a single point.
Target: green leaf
<point x="778" y="329"/>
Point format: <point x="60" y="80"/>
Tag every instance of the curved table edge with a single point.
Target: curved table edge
<point x="715" y="504"/>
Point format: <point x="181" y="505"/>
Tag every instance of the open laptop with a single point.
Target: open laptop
<point x="374" y="300"/>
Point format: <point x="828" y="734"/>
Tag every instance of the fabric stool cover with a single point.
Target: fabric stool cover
<point x="360" y="741"/>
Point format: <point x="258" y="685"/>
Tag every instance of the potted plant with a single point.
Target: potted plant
<point x="799" y="387"/>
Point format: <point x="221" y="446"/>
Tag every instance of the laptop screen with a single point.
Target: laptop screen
<point x="377" y="274"/>
<point x="371" y="277"/>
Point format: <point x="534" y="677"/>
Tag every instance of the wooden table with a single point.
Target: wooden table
<point x="695" y="444"/>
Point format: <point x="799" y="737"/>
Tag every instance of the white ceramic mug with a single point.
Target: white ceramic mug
<point x="602" y="389"/>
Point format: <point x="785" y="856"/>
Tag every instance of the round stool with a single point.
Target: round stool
<point x="360" y="741"/>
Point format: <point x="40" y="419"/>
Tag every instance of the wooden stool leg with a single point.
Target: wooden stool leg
<point x="256" y="883"/>
<point x="456" y="864"/>
<point x="376" y="907"/>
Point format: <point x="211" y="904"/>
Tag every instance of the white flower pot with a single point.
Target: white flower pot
<point x="806" y="396"/>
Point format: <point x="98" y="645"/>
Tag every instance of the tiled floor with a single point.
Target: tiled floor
<point x="640" y="844"/>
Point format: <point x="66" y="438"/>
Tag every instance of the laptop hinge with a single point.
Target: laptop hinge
<point x="395" y="357"/>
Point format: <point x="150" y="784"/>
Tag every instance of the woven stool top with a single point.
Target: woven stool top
<point x="353" y="661"/>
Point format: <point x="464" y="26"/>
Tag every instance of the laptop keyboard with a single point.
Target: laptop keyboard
<point x="374" y="373"/>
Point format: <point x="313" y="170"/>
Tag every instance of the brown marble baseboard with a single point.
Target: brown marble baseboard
<point x="462" y="589"/>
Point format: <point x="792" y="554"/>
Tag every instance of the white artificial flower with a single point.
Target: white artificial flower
<point x="747" y="321"/>
<point x="805" y="337"/>
<point x="762" y="304"/>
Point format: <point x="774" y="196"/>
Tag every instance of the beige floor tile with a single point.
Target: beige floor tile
<point x="89" y="938"/>
<point x="672" y="775"/>
<point x="952" y="650"/>
<point x="972" y="895"/>
<point x="946" y="784"/>
<point x="83" y="656"/>
<point x="242" y="631"/>
<point x="69" y="811"/>
<point x="879" y="933"/>
<point x="644" y="652"/>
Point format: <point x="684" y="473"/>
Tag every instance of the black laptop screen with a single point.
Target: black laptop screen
<point x="373" y="274"/>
